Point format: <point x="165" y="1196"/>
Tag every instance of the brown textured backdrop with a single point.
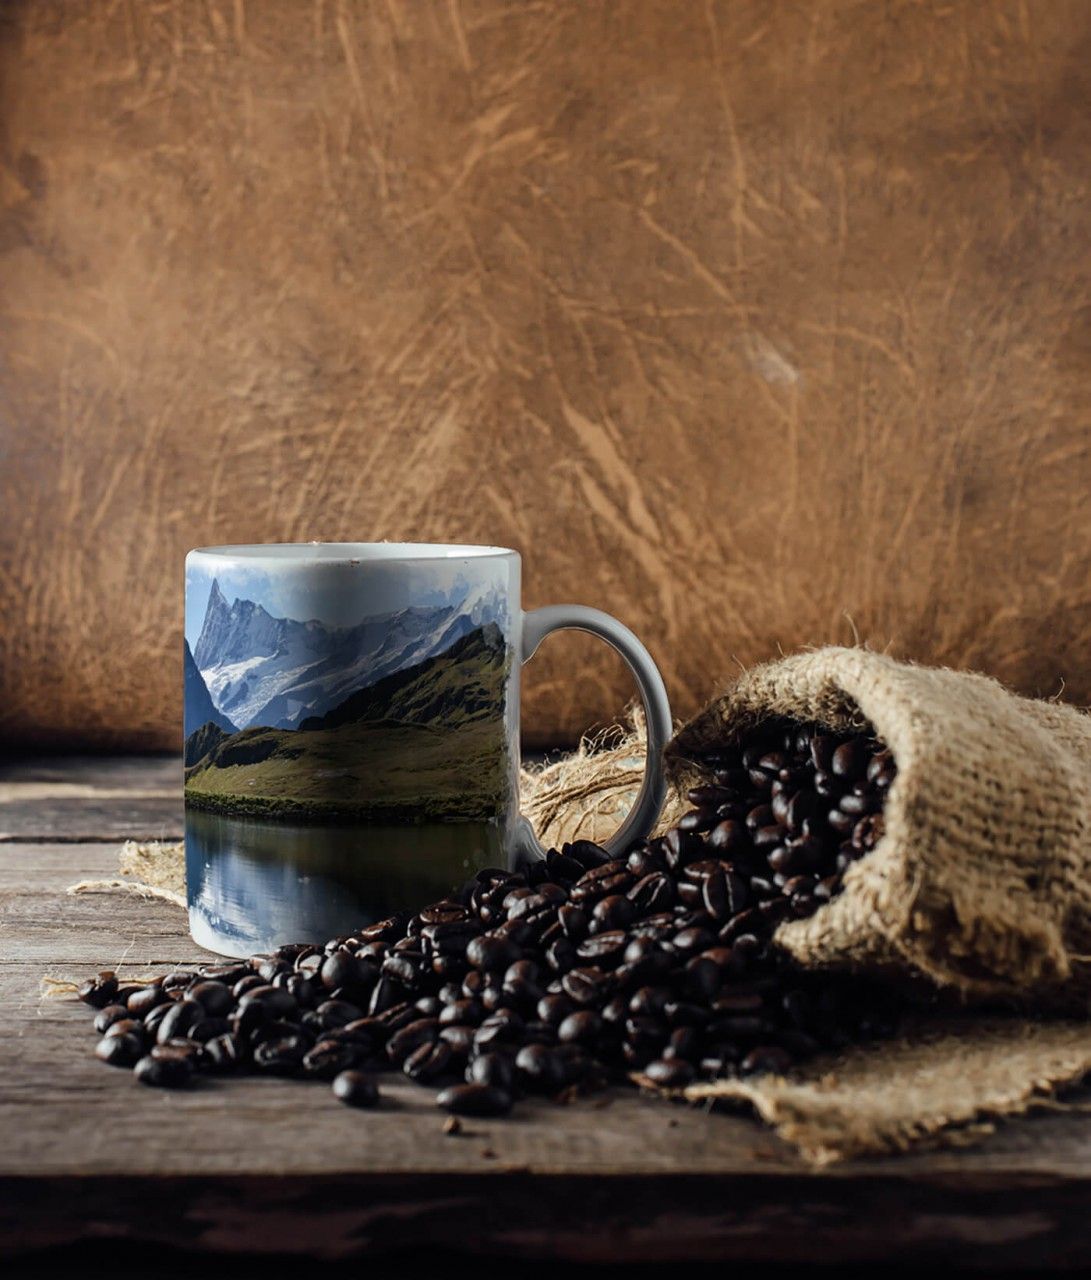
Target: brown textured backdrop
<point x="734" y="318"/>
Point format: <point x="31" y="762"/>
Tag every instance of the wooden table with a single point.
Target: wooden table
<point x="253" y="1165"/>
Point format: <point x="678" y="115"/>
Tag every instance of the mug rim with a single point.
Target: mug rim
<point x="318" y="552"/>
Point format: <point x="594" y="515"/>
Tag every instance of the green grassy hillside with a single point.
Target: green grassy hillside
<point x="425" y="744"/>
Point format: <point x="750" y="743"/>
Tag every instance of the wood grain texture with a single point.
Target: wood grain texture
<point x="269" y="1166"/>
<point x="734" y="319"/>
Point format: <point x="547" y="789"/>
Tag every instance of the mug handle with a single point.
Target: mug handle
<point x="539" y="623"/>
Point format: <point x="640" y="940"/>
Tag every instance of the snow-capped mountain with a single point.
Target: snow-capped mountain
<point x="198" y="708"/>
<point x="262" y="670"/>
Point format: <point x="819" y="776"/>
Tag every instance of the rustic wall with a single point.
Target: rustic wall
<point x="736" y="318"/>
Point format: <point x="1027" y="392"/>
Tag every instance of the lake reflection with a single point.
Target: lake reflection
<point x="255" y="885"/>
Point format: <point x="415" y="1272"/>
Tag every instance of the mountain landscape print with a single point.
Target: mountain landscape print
<point x="395" y="717"/>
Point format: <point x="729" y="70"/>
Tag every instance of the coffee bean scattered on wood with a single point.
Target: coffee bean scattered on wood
<point x="579" y="970"/>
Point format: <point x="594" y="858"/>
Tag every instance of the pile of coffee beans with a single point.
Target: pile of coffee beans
<point x="578" y="970"/>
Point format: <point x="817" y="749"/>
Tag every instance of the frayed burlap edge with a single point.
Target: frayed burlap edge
<point x="154" y="870"/>
<point x="940" y="1084"/>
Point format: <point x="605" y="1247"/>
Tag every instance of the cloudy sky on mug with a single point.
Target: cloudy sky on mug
<point x="335" y="592"/>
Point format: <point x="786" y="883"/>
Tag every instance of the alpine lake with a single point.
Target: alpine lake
<point x="256" y="884"/>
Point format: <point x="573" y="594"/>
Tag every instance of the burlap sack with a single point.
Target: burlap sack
<point x="982" y="881"/>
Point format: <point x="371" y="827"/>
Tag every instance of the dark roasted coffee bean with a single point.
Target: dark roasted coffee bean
<point x="100" y="990"/>
<point x="760" y="816"/>
<point x="575" y="921"/>
<point x="670" y="1073"/>
<point x="142" y="1002"/>
<point x="276" y="1002"/>
<point x="849" y="761"/>
<point x="775" y="910"/>
<point x="646" y="1034"/>
<point x="493" y="1069"/>
<point x="684" y="1042"/>
<point x="610" y="913"/>
<point x="223" y="1054"/>
<point x="475" y="1099"/>
<point x="539" y="1069"/>
<point x="697" y="820"/>
<point x="428" y="1061"/>
<point x="460" y="1038"/>
<point x="402" y="1043"/>
<point x="337" y="1013"/>
<point x="386" y="994"/>
<point x="653" y="893"/>
<point x="649" y="1002"/>
<point x="153" y="1019"/>
<point x="561" y="956"/>
<point x="491" y="954"/>
<point x="821" y="751"/>
<point x="214" y="997"/>
<point x="208" y="1028"/>
<point x="681" y="847"/>
<point x="703" y="977"/>
<point x="462" y="1012"/>
<point x="554" y="1008"/>
<point x="282" y="1057"/>
<point x="178" y="1020"/>
<point x="586" y="853"/>
<point x="563" y="868"/>
<point x="120" y="1050"/>
<point x="228" y="973"/>
<point x="691" y="940"/>
<point x="249" y="983"/>
<point x="586" y="986"/>
<point x="106" y="1017"/>
<point x="729" y="837"/>
<point x="164" y="1072"/>
<point x="604" y="948"/>
<point x="355" y="1089"/>
<point x="583" y="1027"/>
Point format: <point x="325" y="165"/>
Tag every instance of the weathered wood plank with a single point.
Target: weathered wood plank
<point x="86" y="819"/>
<point x="110" y="773"/>
<point x="274" y="1165"/>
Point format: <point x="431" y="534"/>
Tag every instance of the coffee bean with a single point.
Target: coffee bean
<point x="474" y="1099"/>
<point x="428" y="1061"/>
<point x="282" y="1056"/>
<point x="540" y="1069"/>
<point x="582" y="1027"/>
<point x="495" y="1069"/>
<point x="670" y="1073"/>
<point x="585" y="986"/>
<point x="164" y="1072"/>
<point x="355" y="1089"/>
<point x="849" y="761"/>
<point x="107" y="1016"/>
<point x="120" y="1050"/>
<point x="142" y="1002"/>
<point x="178" y="1020"/>
<point x="100" y="990"/>
<point x="223" y="1054"/>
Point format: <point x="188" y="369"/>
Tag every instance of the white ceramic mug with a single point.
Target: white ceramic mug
<point x="352" y="731"/>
